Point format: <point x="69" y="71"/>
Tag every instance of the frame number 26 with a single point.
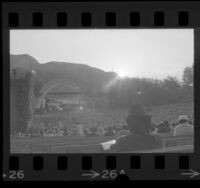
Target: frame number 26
<point x="16" y="174"/>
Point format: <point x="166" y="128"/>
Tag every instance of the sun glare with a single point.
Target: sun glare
<point x="122" y="74"/>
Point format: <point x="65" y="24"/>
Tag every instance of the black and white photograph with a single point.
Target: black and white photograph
<point x="101" y="91"/>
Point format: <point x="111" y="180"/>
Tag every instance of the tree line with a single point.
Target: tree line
<point x="152" y="91"/>
<point x="126" y="91"/>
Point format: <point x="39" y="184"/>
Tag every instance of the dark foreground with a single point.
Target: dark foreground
<point x="66" y="144"/>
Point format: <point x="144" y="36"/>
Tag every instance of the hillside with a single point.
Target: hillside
<point x="89" y="78"/>
<point x="23" y="60"/>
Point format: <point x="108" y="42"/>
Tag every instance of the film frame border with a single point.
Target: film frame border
<point x="121" y="19"/>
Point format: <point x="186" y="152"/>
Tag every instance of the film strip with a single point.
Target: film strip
<point x="61" y="166"/>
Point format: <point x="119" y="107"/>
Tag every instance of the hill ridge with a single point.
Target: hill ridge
<point x="90" y="78"/>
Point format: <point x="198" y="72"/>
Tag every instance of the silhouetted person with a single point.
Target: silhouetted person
<point x="184" y="128"/>
<point x="139" y="124"/>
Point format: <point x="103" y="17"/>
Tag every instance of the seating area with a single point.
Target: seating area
<point x="93" y="148"/>
<point x="57" y="144"/>
<point x="174" y="149"/>
<point x="177" y="141"/>
<point x="93" y="145"/>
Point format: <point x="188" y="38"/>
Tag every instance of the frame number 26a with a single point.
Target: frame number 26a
<point x="111" y="174"/>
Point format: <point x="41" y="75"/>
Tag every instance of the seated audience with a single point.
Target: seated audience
<point x="164" y="127"/>
<point x="86" y="132"/>
<point x="118" y="128"/>
<point x="92" y="132"/>
<point x="80" y="130"/>
<point x="74" y="132"/>
<point x="153" y="129"/>
<point x="100" y="131"/>
<point x="109" y="131"/>
<point x="139" y="138"/>
<point x="123" y="133"/>
<point x="183" y="128"/>
<point x="65" y="131"/>
<point x="125" y="127"/>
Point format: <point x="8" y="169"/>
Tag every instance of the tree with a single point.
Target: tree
<point x="188" y="81"/>
<point x="173" y="88"/>
<point x="20" y="86"/>
<point x="37" y="87"/>
<point x="188" y="75"/>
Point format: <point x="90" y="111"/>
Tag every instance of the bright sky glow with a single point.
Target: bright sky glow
<point x="154" y="53"/>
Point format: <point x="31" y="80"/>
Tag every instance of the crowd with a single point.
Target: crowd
<point x="136" y="120"/>
<point x="53" y="128"/>
<point x="142" y="137"/>
<point x="183" y="127"/>
<point x="100" y="131"/>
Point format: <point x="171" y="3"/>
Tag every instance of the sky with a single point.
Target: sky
<point x="150" y="53"/>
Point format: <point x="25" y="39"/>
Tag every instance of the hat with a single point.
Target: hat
<point x="182" y="117"/>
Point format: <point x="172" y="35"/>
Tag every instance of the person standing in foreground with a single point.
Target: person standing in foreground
<point x="183" y="128"/>
<point x="139" y="124"/>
